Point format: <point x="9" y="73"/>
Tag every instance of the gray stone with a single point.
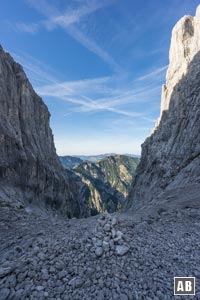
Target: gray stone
<point x="113" y="232"/>
<point x="111" y="244"/>
<point x="62" y="274"/>
<point x="107" y="227"/>
<point x="119" y="234"/>
<point x="76" y="282"/>
<point x="46" y="294"/>
<point x="99" y="251"/>
<point x="39" y="288"/>
<point x="121" y="250"/>
<point x="106" y="246"/>
<point x="114" y="221"/>
<point x="98" y="243"/>
<point x="106" y="238"/>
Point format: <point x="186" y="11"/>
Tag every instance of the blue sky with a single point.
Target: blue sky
<point x="98" y="65"/>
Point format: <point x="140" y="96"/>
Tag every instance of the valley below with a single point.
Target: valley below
<point x="102" y="184"/>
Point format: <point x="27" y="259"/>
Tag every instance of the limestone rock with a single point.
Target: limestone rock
<point x="29" y="167"/>
<point x="121" y="250"/>
<point x="76" y="282"/>
<point x="185" y="44"/>
<point x="171" y="155"/>
<point x="99" y="251"/>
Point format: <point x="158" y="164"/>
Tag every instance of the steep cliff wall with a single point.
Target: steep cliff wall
<point x="29" y="167"/>
<point x="171" y="155"/>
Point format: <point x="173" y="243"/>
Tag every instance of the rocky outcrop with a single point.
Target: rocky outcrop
<point x="30" y="171"/>
<point x="171" y="155"/>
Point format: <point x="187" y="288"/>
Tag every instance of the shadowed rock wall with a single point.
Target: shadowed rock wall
<point x="29" y="167"/>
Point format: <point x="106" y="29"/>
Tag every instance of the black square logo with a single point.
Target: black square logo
<point x="184" y="285"/>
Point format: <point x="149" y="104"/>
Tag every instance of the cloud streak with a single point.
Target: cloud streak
<point x="69" y="21"/>
<point x="158" y="71"/>
<point x="73" y="16"/>
<point x="75" y="92"/>
<point x="89" y="88"/>
<point x="90" y="95"/>
<point x="31" y="28"/>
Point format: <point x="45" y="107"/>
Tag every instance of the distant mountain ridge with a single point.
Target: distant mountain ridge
<point x="103" y="185"/>
<point x="70" y="161"/>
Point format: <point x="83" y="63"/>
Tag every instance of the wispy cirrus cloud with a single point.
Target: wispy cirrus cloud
<point x="97" y="94"/>
<point x="154" y="73"/>
<point x="73" y="16"/>
<point x="88" y="95"/>
<point x="31" y="28"/>
<point x="69" y="21"/>
<point x="93" y="47"/>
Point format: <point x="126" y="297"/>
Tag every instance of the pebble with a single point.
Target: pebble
<point x="121" y="250"/>
<point x="46" y="294"/>
<point x="76" y="282"/>
<point x="107" y="227"/>
<point x="106" y="246"/>
<point x="99" y="251"/>
<point x="39" y="288"/>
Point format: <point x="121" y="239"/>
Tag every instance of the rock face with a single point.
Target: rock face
<point x="171" y="155"/>
<point x="185" y="44"/>
<point x="30" y="170"/>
